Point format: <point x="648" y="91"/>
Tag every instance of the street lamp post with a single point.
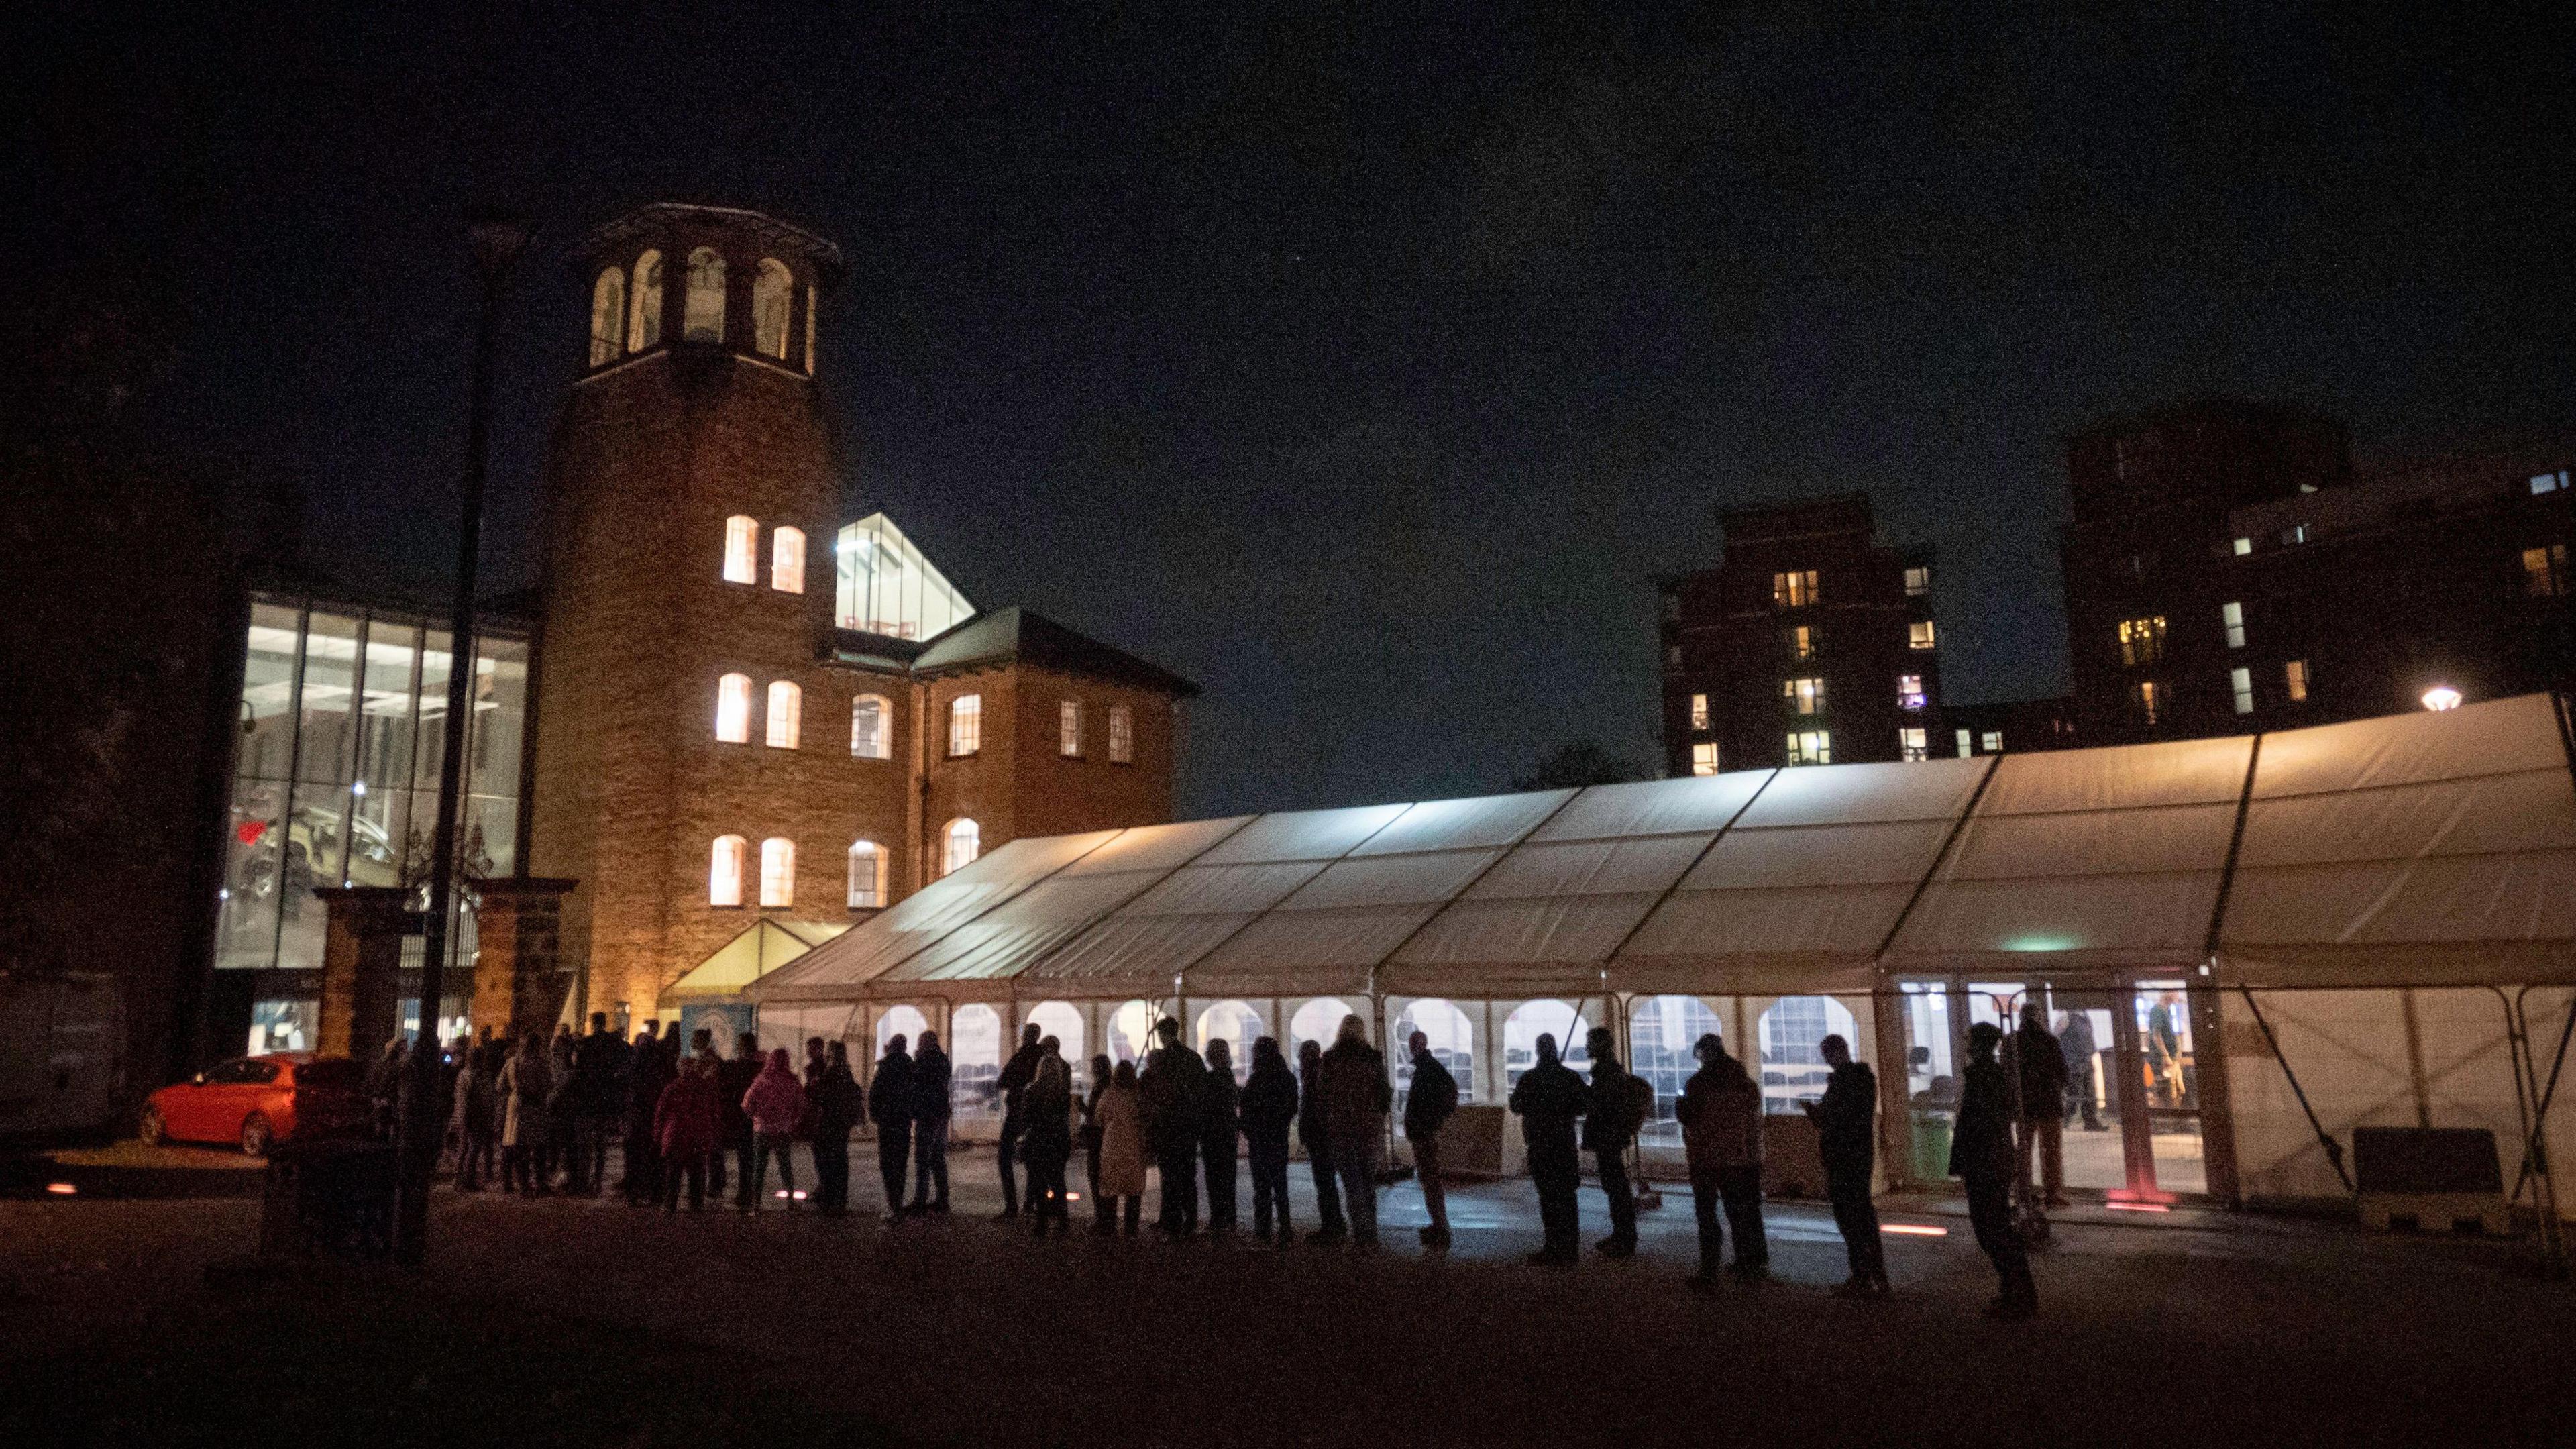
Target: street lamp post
<point x="497" y="240"/>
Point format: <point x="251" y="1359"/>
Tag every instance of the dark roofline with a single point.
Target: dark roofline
<point x="1017" y="635"/>
<point x="786" y="234"/>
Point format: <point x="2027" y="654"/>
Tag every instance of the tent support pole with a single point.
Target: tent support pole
<point x="2553" y="1231"/>
<point x="2325" y="1139"/>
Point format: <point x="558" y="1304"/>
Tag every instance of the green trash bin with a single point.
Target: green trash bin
<point x="1931" y="1145"/>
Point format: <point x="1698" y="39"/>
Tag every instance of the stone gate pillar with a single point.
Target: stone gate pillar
<point x="518" y="964"/>
<point x="362" y="966"/>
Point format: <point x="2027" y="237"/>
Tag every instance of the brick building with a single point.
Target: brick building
<point x="726" y="729"/>
<point x="1810" y="643"/>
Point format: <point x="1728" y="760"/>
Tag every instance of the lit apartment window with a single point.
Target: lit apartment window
<point x="787" y="560"/>
<point x="2146" y="698"/>
<point x="1918" y="634"/>
<point x="2233" y="616"/>
<point x="1991" y="741"/>
<point x="2544" y="571"/>
<point x="742" y="550"/>
<point x="733" y="709"/>
<point x="1967" y="744"/>
<point x="1803" y="696"/>
<point x="786" y="714"/>
<point x="1699" y="711"/>
<point x="1909" y="691"/>
<point x="2240" y="683"/>
<point x="1912" y="744"/>
<point x="2244" y="546"/>
<point x="1801" y="639"/>
<point x="965" y="725"/>
<point x="1704" y="758"/>
<point x="1795" y="589"/>
<point x="1918" y="581"/>
<point x="2142" y="641"/>
<point x="961" y="842"/>
<point x="1068" y="728"/>
<point x="1811" y="747"/>
<point x="867" y="875"/>
<point x="2548" y="482"/>
<point x="778" y="871"/>
<point x="2294" y="679"/>
<point x="724" y="872"/>
<point x="1122" y="735"/>
<point x="868" y="728"/>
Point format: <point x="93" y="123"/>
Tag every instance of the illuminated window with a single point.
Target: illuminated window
<point x="778" y="871"/>
<point x="868" y="734"/>
<point x="1918" y="634"/>
<point x="1704" y="758"/>
<point x="2244" y="545"/>
<point x="2233" y="616"/>
<point x="787" y="560"/>
<point x="2548" y="482"/>
<point x="2240" y="684"/>
<point x="1795" y="589"/>
<point x="2544" y="571"/>
<point x="811" y="297"/>
<point x="608" y="316"/>
<point x="724" y="872"/>
<point x="771" y="292"/>
<point x="1801" y="639"/>
<point x="962" y="841"/>
<point x="1909" y="691"/>
<point x="733" y="709"/>
<point x="1918" y="581"/>
<point x="1803" y="696"/>
<point x="1913" y="744"/>
<point x="1122" y="735"/>
<point x="786" y="714"/>
<point x="1068" y="728"/>
<point x="644" y="304"/>
<point x="742" y="550"/>
<point x="702" y="316"/>
<point x="1991" y="741"/>
<point x="1967" y="744"/>
<point x="2146" y="698"/>
<point x="965" y="725"/>
<point x="2294" y="678"/>
<point x="867" y="875"/>
<point x="885" y="585"/>
<point x="1811" y="747"/>
<point x="2142" y="641"/>
<point x="1699" y="711"/>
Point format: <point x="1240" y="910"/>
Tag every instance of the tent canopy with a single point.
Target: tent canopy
<point x="2419" y="849"/>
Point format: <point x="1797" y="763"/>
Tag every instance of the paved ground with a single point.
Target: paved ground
<point x="583" y="1322"/>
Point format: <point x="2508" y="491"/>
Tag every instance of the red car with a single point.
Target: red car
<point x="259" y="1101"/>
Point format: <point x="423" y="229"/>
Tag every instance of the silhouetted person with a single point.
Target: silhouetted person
<point x="1122" y="1148"/>
<point x="930" y="1112"/>
<point x="384" y="1087"/>
<point x="600" y="1064"/>
<point x="1550" y="1099"/>
<point x="1721" y="1116"/>
<point x="2040" y="1061"/>
<point x="1315" y="1133"/>
<point x="1047" y="1136"/>
<point x="734" y="1078"/>
<point x="836" y="1103"/>
<point x="1216" y="1128"/>
<point x="1269" y="1105"/>
<point x="1428" y="1104"/>
<point x="564" y="1110"/>
<point x="477" y="1130"/>
<point x="1846" y="1139"/>
<point x="687" y="1125"/>
<point x="1171" y="1083"/>
<point x="1981" y="1157"/>
<point x="890" y="1108"/>
<point x="648" y="1073"/>
<point x="2076" y="1044"/>
<point x="1100" y="1204"/>
<point x="526" y="1081"/>
<point x="1610" y="1123"/>
<point x="1013" y="1084"/>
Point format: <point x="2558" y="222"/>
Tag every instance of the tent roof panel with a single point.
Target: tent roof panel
<point x="1388" y="880"/>
<point x="1303" y="835"/>
<point x="2492" y="737"/>
<point x="1820" y="856"/>
<point x="1157" y="848"/>
<point x="2125" y="777"/>
<point x="1854" y="794"/>
<point x="1499" y="935"/>
<point x="1484" y="820"/>
<point x="1590" y="867"/>
<point x="1693" y="804"/>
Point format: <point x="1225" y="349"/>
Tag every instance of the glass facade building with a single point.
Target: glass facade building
<point x="887" y="586"/>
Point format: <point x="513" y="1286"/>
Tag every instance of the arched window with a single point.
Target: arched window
<point x="811" y="297"/>
<point x="1661" y="1032"/>
<point x="787" y="559"/>
<point x="1122" y="735"/>
<point x="1793" y="1071"/>
<point x="733" y="709"/>
<point x="868" y="733"/>
<point x="965" y="841"/>
<point x="1237" y="1025"/>
<point x="724" y="872"/>
<point x="1316" y="1021"/>
<point x="1523" y="1028"/>
<point x="910" y="1023"/>
<point x="742" y="549"/>
<point x="1058" y="1019"/>
<point x="771" y="292"/>
<point x="867" y="875"/>
<point x="965" y="725"/>
<point x="1448" y="1035"/>
<point x="644" y="304"/>
<point x="607" y="316"/>
<point x="974" y="1061"/>
<point x="786" y="711"/>
<point x="703" y="319"/>
<point x="1131" y="1032"/>
<point x="778" y="871"/>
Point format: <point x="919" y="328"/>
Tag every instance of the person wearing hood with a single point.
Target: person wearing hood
<point x="890" y="1108"/>
<point x="1981" y="1157"/>
<point x="833" y="1104"/>
<point x="1721" y="1116"/>
<point x="1549" y="1099"/>
<point x="1013" y="1084"/>
<point x="687" y="1122"/>
<point x="930" y="1113"/>
<point x="1356" y="1099"/>
<point x="775" y="1104"/>
<point x="1428" y="1103"/>
<point x="526" y="1082"/>
<point x="1046" y="1142"/>
<point x="1268" y="1106"/>
<point x="1218" y="1097"/>
<point x="1313" y="1131"/>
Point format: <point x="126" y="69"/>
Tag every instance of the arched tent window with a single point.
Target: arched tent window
<point x="965" y="725"/>
<point x="787" y="559"/>
<point x="724" y="871"/>
<point x="1661" y="1033"/>
<point x="1131" y="1032"/>
<point x="607" y="317"/>
<point x="902" y="1019"/>
<point x="867" y="875"/>
<point x="1452" y="1042"/>
<point x="961" y="842"/>
<point x="733" y="709"/>
<point x="1793" y="1071"/>
<point x="771" y="292"/>
<point x="868" y="734"/>
<point x="644" y="304"/>
<point x="974" y="1061"/>
<point x="742" y="549"/>
<point x="811" y="298"/>
<point x="1058" y="1019"/>
<point x="778" y="871"/>
<point x="786" y="714"/>
<point x="1317" y="1021"/>
<point x="1523" y="1028"/>
<point x="703" y="317"/>
<point x="1236" y="1024"/>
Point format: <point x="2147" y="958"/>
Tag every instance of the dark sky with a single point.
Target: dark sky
<point x="1365" y="366"/>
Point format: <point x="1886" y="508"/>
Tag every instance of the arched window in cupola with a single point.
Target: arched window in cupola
<point x="770" y="295"/>
<point x="644" y="304"/>
<point x="607" y="317"/>
<point x="704" y="318"/>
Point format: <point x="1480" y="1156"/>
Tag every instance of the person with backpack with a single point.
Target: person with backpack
<point x="1610" y="1123"/>
<point x="890" y="1108"/>
<point x="1721" y="1115"/>
<point x="1549" y="1098"/>
<point x="1428" y="1104"/>
<point x="1269" y="1105"/>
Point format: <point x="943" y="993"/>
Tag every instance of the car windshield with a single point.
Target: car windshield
<point x="334" y="1074"/>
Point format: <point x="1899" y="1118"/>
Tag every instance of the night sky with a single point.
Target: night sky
<point x="1368" y="366"/>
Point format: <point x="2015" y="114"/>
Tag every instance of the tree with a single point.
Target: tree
<point x="1579" y="761"/>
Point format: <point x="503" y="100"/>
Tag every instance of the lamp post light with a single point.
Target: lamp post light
<point x="496" y="240"/>
<point x="2441" y="697"/>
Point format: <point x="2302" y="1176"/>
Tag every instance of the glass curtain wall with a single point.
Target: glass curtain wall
<point x="886" y="586"/>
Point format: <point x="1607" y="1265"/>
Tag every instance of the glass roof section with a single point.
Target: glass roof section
<point x="886" y="585"/>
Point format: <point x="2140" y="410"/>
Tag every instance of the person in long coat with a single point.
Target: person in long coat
<point x="1720" y="1112"/>
<point x="1172" y="1080"/>
<point x="931" y="1082"/>
<point x="890" y="1108"/>
<point x="1981" y="1157"/>
<point x="1046" y="1136"/>
<point x="1121" y="1116"/>
<point x="1217" y="1098"/>
<point x="1091" y="1138"/>
<point x="1269" y="1105"/>
<point x="527" y="1083"/>
<point x="687" y="1126"/>
<point x="1356" y="1098"/>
